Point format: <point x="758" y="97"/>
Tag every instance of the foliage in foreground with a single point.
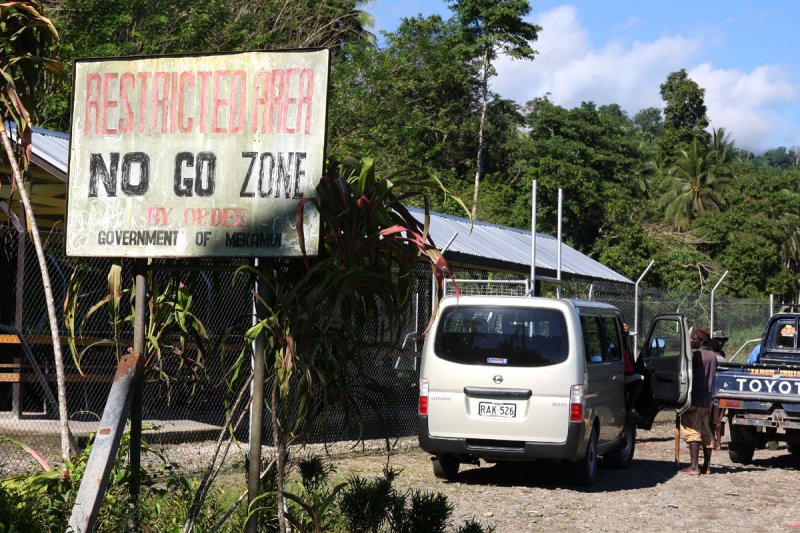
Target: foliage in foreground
<point x="357" y="505"/>
<point x="42" y="501"/>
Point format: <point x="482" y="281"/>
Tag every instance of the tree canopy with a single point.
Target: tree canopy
<point x="666" y="184"/>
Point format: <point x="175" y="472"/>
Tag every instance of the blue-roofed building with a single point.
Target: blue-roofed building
<point x="491" y="247"/>
<point x="47" y="177"/>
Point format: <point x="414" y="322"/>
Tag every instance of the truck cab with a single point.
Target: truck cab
<point x="763" y="398"/>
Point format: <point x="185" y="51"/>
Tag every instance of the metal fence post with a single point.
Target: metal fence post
<point x="533" y="239"/>
<point x="636" y="311"/>
<point x="135" y="450"/>
<point x="714" y="290"/>
<point x="257" y="403"/>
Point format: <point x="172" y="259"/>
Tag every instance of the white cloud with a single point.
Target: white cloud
<point x="747" y="104"/>
<point x="630" y="73"/>
<point x="572" y="71"/>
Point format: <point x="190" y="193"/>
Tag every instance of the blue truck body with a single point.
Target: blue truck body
<point x="763" y="399"/>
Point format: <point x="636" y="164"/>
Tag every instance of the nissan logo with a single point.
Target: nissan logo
<point x="498" y="379"/>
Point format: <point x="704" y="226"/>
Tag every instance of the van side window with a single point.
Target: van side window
<point x="612" y="338"/>
<point x="665" y="340"/>
<point x="592" y="339"/>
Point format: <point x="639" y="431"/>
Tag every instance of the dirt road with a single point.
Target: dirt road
<point x="648" y="496"/>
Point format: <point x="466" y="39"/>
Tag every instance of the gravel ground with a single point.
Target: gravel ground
<point x="647" y="496"/>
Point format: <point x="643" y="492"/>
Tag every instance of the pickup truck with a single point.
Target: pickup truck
<point x="763" y="398"/>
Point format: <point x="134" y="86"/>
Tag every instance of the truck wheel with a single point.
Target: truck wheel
<point x="445" y="466"/>
<point x="584" y="471"/>
<point x="794" y="448"/>
<point x="740" y="453"/>
<point x="622" y="455"/>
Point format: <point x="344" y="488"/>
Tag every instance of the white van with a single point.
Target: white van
<point x="519" y="378"/>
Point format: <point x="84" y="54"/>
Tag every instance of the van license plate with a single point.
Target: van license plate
<point x="500" y="410"/>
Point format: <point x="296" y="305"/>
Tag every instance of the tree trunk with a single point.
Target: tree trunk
<point x="5" y="207"/>
<point x="484" y="106"/>
<point x="66" y="449"/>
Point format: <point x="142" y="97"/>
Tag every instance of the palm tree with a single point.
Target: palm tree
<point x="642" y="178"/>
<point x="722" y="148"/>
<point x="25" y="37"/>
<point x="693" y="185"/>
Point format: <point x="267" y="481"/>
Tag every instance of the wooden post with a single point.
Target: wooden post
<point x="677" y="441"/>
<point x="106" y="442"/>
<point x="17" y="389"/>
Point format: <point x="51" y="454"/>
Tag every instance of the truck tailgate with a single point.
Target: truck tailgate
<point x="757" y="382"/>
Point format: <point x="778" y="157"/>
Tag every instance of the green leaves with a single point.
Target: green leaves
<point x="497" y="25"/>
<point x="26" y="39"/>
<point x="321" y="308"/>
<point x="692" y="186"/>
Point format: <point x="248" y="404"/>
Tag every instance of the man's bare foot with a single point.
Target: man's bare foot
<point x="689" y="471"/>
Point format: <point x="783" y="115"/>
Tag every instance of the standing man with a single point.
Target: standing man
<point x="717" y="414"/>
<point x="695" y="422"/>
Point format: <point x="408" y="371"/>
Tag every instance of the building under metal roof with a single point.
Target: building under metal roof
<point x="480" y="245"/>
<point x="46" y="178"/>
<point x="494" y="247"/>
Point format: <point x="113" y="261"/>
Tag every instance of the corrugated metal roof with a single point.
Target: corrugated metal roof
<point x="494" y="243"/>
<point x="50" y="149"/>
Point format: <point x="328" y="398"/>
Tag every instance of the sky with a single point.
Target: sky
<point x="744" y="53"/>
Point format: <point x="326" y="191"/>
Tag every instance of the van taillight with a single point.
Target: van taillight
<point x="423" y="396"/>
<point x="576" y="403"/>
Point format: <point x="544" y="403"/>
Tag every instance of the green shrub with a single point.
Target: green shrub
<point x="375" y="506"/>
<point x="43" y="501"/>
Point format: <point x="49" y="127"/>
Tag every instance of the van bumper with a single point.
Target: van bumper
<point x="571" y="449"/>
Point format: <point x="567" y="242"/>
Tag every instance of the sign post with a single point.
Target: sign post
<point x="194" y="156"/>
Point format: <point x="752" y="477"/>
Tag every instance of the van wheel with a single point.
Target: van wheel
<point x="445" y="466"/>
<point x="622" y="455"/>
<point x="584" y="471"/>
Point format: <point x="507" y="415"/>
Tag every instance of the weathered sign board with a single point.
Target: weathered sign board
<point x="196" y="156"/>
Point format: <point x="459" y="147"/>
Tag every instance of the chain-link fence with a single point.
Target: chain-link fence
<point x="186" y="383"/>
<point x="187" y="387"/>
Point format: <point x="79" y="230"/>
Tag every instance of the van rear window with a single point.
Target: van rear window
<point x="502" y="336"/>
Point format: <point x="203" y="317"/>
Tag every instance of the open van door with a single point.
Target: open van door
<point x="665" y="361"/>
